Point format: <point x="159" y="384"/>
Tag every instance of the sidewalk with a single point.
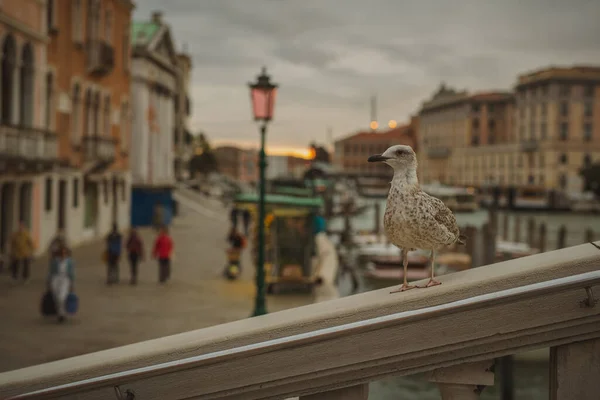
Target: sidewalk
<point x="196" y="297"/>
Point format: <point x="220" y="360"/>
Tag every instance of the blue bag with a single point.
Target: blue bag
<point x="72" y="303"/>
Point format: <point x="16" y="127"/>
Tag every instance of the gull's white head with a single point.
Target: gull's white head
<point x="399" y="157"/>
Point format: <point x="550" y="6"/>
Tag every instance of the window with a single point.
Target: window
<point x="108" y="22"/>
<point x="105" y="190"/>
<point x="491" y="108"/>
<point x="76" y="114"/>
<point x="587" y="131"/>
<point x="543" y="131"/>
<point x="475" y="123"/>
<point x="77" y="21"/>
<point x="563" y="181"/>
<point x="564" y="109"/>
<point x="544" y="90"/>
<point x="544" y="109"/>
<point x="51" y="17"/>
<point x="475" y="108"/>
<point x="123" y="191"/>
<point x="587" y="160"/>
<point x="75" y="193"/>
<point x="107" y="124"/>
<point x="48" y="194"/>
<point x="542" y="160"/>
<point x="475" y="140"/>
<point x="588" y="109"/>
<point x="563" y="159"/>
<point x="123" y="129"/>
<point x="564" y="90"/>
<point x="531" y="179"/>
<point x="564" y="131"/>
<point x="49" y="102"/>
<point x="588" y="91"/>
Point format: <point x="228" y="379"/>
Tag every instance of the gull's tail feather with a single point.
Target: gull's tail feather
<point x="462" y="239"/>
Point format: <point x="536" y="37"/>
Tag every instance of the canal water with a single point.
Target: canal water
<point x="530" y="377"/>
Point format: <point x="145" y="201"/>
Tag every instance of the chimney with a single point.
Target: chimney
<point x="157" y="17"/>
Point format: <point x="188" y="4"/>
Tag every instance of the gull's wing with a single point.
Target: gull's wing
<point x="443" y="217"/>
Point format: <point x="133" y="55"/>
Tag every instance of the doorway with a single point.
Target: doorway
<point x="7" y="215"/>
<point x="25" y="192"/>
<point x="62" y="205"/>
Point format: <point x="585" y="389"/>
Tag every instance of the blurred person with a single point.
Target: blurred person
<point x="163" y="252"/>
<point x="235" y="239"/>
<point x="114" y="244"/>
<point x="246" y="218"/>
<point x="135" y="252"/>
<point x="61" y="279"/>
<point x="56" y="244"/>
<point x="233" y="216"/>
<point x="21" y="251"/>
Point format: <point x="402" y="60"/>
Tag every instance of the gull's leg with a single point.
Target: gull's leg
<point x="432" y="281"/>
<point x="405" y="286"/>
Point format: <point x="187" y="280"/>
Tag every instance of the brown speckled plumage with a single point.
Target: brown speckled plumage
<point x="413" y="219"/>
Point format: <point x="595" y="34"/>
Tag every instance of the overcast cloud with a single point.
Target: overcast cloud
<point x="329" y="56"/>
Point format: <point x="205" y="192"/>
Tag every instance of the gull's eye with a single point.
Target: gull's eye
<point x="399" y="152"/>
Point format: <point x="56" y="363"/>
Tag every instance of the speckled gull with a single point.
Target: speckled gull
<point x="413" y="219"/>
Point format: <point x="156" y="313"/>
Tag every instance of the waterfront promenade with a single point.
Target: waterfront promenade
<point x="196" y="297"/>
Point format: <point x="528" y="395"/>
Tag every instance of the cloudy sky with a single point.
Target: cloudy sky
<point x="330" y="56"/>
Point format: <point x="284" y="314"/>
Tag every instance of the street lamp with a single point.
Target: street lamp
<point x="262" y="94"/>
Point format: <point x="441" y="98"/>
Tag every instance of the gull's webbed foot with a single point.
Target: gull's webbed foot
<point x="403" y="288"/>
<point x="433" y="282"/>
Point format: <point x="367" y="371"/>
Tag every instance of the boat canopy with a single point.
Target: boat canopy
<point x="280" y="200"/>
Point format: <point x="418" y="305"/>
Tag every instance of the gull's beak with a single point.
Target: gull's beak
<point x="378" y="158"/>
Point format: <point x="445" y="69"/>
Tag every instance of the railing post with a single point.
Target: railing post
<point x="574" y="371"/>
<point x="462" y="382"/>
<point x="359" y="392"/>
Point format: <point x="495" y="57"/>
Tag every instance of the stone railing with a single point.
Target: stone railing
<point x="331" y="350"/>
<point x="27" y="143"/>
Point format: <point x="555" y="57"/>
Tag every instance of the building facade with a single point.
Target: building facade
<point x="89" y="107"/>
<point x="183" y="110"/>
<point x="28" y="140"/>
<point x="155" y="71"/>
<point x="351" y="153"/>
<point x="535" y="139"/>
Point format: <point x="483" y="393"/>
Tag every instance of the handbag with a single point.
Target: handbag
<point x="48" y="306"/>
<point x="72" y="303"/>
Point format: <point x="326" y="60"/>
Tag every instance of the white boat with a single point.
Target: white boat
<point x="584" y="202"/>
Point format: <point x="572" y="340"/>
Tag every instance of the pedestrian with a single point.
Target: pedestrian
<point x="236" y="241"/>
<point x="247" y="217"/>
<point x="61" y="279"/>
<point x="135" y="251"/>
<point x="114" y="244"/>
<point x="22" y="248"/>
<point x="163" y="252"/>
<point x="234" y="217"/>
<point x="56" y="244"/>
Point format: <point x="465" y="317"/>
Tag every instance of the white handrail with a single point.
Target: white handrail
<point x="584" y="280"/>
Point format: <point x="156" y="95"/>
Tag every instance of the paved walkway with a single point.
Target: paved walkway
<point x="196" y="297"/>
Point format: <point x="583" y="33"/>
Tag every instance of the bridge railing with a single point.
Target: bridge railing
<point x="331" y="350"/>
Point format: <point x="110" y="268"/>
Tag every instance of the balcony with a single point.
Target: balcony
<point x="99" y="148"/>
<point x="438" y="152"/>
<point x="331" y="350"/>
<point x="100" y="57"/>
<point x="529" y="145"/>
<point x="24" y="144"/>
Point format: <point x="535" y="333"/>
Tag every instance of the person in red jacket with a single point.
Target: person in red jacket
<point x="163" y="251"/>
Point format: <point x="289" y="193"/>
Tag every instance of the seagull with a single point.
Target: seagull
<point x="413" y="219"/>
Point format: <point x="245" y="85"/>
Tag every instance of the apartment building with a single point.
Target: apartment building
<point x="28" y="139"/>
<point x="536" y="139"/>
<point x="229" y="160"/>
<point x="351" y="153"/>
<point x="88" y="83"/>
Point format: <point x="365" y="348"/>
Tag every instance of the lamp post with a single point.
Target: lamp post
<point x="262" y="94"/>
